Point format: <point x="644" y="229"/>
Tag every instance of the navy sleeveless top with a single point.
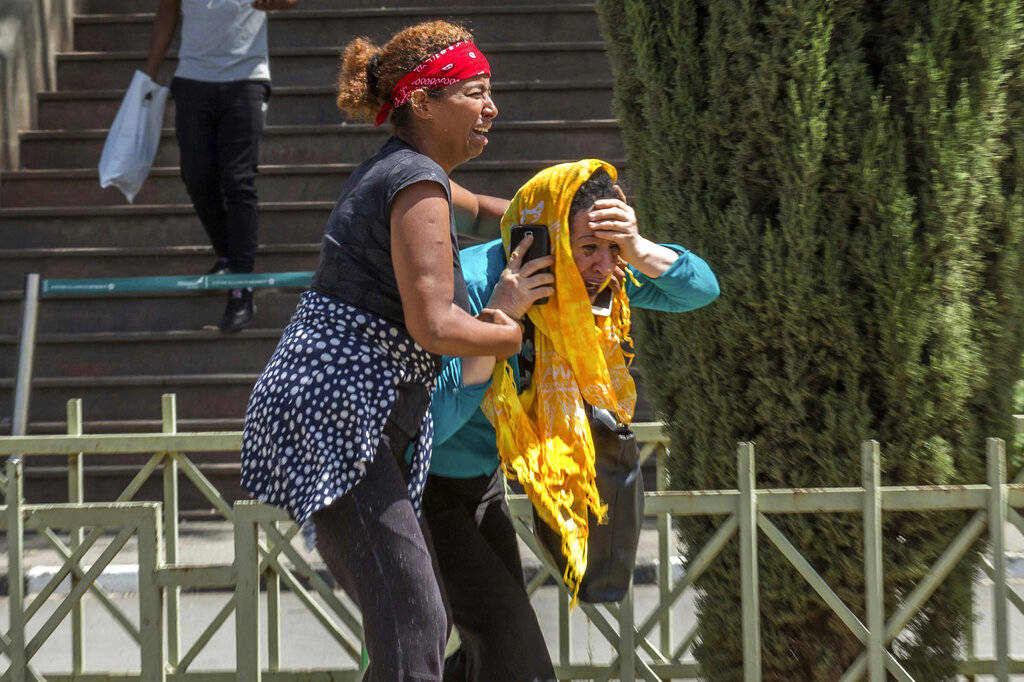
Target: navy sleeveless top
<point x="355" y="261"/>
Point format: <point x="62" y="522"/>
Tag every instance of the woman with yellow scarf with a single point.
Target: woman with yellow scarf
<point x="487" y="412"/>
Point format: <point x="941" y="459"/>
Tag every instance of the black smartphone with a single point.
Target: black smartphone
<point x="540" y="247"/>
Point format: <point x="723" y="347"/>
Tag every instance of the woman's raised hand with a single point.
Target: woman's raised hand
<point x="618" y="279"/>
<point x="615" y="220"/>
<point x="522" y="284"/>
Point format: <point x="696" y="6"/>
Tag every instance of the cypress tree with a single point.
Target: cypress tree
<point x="852" y="172"/>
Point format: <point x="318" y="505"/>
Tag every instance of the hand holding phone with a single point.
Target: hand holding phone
<point x="525" y="280"/>
<point x="540" y="247"/>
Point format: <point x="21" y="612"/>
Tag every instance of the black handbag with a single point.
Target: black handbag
<point x="611" y="546"/>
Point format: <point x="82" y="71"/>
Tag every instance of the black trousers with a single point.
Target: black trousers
<point x="477" y="553"/>
<point x="219" y="126"/>
<point x="376" y="549"/>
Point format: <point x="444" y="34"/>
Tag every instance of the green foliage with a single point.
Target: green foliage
<point x="853" y="171"/>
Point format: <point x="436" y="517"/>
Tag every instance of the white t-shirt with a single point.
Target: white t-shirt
<point x="223" y="40"/>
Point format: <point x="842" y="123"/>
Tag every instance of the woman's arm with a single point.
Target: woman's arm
<point x="455" y="397"/>
<point x="481" y="214"/>
<point x="167" y="16"/>
<point x="421" y="253"/>
<point x="688" y="284"/>
<point x="477" y="369"/>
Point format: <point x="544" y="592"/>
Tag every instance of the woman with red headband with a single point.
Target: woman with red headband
<point x="348" y="388"/>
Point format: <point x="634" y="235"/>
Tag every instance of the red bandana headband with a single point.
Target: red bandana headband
<point x="449" y="66"/>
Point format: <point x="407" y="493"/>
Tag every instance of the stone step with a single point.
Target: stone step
<point x="142" y="262"/>
<point x="495" y="23"/>
<point x="516" y="100"/>
<point x="125" y="426"/>
<point x="132" y="226"/>
<point x="130" y="313"/>
<point x="317" y="144"/>
<point x="318" y="66"/>
<point x="219" y="395"/>
<point x="129" y="353"/>
<point x="136" y="397"/>
<point x="275" y="183"/>
<point x="130" y="7"/>
<point x="169" y="225"/>
<point x="120" y="398"/>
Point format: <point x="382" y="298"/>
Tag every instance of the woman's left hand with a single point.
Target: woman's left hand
<point x="618" y="279"/>
<point x="615" y="220"/>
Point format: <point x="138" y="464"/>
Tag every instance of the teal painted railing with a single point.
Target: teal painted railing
<point x="36" y="288"/>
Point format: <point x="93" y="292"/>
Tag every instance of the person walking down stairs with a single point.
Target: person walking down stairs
<point x="220" y="88"/>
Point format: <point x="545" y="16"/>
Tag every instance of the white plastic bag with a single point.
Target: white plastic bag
<point x="134" y="136"/>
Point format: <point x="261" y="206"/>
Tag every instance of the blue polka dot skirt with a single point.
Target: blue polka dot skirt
<point x="317" y="411"/>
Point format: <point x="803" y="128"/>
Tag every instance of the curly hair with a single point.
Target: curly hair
<point x="598" y="186"/>
<point x="369" y="73"/>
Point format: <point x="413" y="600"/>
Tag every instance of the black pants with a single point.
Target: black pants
<point x="476" y="550"/>
<point x="375" y="548"/>
<point x="219" y="126"/>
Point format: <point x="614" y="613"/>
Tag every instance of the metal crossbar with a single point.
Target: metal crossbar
<point x="169" y="454"/>
<point x="140" y="519"/>
<point x="745" y="513"/>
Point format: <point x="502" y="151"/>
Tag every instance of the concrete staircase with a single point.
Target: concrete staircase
<point x="552" y="84"/>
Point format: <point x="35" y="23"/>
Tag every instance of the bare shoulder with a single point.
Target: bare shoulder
<point x="424" y="190"/>
<point x="422" y="206"/>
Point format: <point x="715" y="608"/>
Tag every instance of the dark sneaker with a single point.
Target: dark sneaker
<point x="239" y="311"/>
<point x="220" y="267"/>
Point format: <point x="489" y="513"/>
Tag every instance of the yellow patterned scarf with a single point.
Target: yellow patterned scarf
<point x="543" y="435"/>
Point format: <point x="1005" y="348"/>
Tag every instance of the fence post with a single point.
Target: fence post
<point x="273" y="616"/>
<point x="151" y="608"/>
<point x="564" y="627"/>
<point x="247" y="595"/>
<point x="748" y="564"/>
<point x="76" y="495"/>
<point x="874" y="587"/>
<point x="995" y="449"/>
<point x="627" y="642"/>
<point x="15" y="570"/>
<point x="169" y="419"/>
<point x="26" y="351"/>
<point x="664" y="555"/>
<point x="971" y="643"/>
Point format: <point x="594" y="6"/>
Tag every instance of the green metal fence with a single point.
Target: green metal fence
<point x="263" y="553"/>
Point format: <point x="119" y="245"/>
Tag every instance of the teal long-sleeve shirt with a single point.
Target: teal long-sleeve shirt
<point x="464" y="440"/>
